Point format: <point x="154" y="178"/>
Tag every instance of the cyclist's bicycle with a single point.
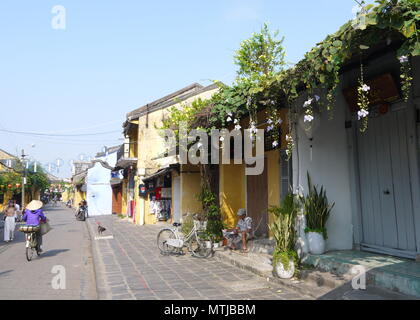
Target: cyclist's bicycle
<point x="31" y="241"/>
<point x="171" y="240"/>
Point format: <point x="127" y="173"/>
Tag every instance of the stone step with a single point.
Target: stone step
<point x="312" y="285"/>
<point x="385" y="272"/>
<point x="264" y="246"/>
<point x="259" y="264"/>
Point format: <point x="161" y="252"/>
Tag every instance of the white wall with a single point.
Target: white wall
<point x="111" y="159"/>
<point x="329" y="167"/>
<point x="99" y="191"/>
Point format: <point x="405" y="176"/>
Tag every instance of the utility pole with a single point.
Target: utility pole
<point x="23" y="179"/>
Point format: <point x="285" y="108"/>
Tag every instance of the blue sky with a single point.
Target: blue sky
<point x="115" y="56"/>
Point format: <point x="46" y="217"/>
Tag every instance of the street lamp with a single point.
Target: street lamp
<point x="23" y="178"/>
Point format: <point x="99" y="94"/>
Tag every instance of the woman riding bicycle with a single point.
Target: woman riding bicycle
<point x="33" y="216"/>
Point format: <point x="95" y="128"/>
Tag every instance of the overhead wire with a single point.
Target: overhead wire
<point x="58" y="135"/>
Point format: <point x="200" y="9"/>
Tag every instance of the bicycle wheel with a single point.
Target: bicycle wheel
<point x="29" y="254"/>
<point x="200" y="248"/>
<point x="163" y="236"/>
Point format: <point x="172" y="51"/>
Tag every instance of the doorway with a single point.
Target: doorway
<point x="257" y="201"/>
<point x="385" y="184"/>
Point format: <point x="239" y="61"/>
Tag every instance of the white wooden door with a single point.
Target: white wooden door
<point x="385" y="186"/>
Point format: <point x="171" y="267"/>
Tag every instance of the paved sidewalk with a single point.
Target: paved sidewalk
<point x="130" y="266"/>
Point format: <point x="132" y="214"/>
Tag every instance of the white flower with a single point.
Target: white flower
<point x="317" y="98"/>
<point x="362" y="113"/>
<point x="403" y="59"/>
<point x="279" y="121"/>
<point x="222" y="138"/>
<point x="229" y="114"/>
<point x="288" y="137"/>
<point x="308" y="118"/>
<point x="269" y="128"/>
<point x="238" y="127"/>
<point x="269" y="121"/>
<point x="308" y="103"/>
<point x="275" y="143"/>
<point x="229" y="119"/>
<point x="365" y="88"/>
<point x="235" y="121"/>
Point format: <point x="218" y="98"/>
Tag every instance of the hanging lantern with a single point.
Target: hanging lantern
<point x="309" y="128"/>
<point x="18" y="185"/>
<point x="9" y="186"/>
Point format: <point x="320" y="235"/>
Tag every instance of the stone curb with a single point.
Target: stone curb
<point x="101" y="294"/>
<point x="88" y="258"/>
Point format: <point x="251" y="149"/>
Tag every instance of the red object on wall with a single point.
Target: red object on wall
<point x="9" y="186"/>
<point x="158" y="193"/>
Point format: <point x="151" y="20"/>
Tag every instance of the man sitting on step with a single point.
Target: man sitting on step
<point x="241" y="233"/>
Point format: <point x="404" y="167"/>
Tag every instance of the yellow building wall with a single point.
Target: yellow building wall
<point x="79" y="196"/>
<point x="7" y="196"/>
<point x="124" y="197"/>
<point x="233" y="179"/>
<point x="149" y="218"/>
<point x="273" y="180"/>
<point x="190" y="189"/>
<point x="232" y="191"/>
<point x="151" y="145"/>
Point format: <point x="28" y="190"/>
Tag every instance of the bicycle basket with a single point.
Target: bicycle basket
<point x="200" y="225"/>
<point x="27" y="229"/>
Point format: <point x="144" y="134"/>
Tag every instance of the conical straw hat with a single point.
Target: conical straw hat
<point x="34" y="205"/>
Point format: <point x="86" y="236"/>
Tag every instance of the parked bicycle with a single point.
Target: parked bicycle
<point x="31" y="241"/>
<point x="171" y="240"/>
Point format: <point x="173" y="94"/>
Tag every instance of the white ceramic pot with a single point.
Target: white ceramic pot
<point x="208" y="244"/>
<point x="316" y="243"/>
<point x="285" y="274"/>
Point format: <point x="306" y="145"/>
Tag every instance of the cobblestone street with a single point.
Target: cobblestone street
<point x="130" y="266"/>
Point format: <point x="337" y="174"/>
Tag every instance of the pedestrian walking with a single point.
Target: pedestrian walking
<point x="18" y="212"/>
<point x="9" y="222"/>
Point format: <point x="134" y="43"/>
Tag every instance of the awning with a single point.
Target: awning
<point x="115" y="181"/>
<point x="161" y="172"/>
<point x="126" y="162"/>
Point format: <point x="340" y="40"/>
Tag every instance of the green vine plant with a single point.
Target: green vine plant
<point x="363" y="101"/>
<point x="405" y="76"/>
<point x="260" y="58"/>
<point x="263" y="82"/>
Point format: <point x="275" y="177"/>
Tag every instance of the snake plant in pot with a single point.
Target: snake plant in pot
<point x="317" y="211"/>
<point x="284" y="232"/>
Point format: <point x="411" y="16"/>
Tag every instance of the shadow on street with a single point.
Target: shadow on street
<point x="52" y="253"/>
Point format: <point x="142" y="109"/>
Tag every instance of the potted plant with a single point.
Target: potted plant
<point x="284" y="232"/>
<point x="317" y="210"/>
<point x="207" y="238"/>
